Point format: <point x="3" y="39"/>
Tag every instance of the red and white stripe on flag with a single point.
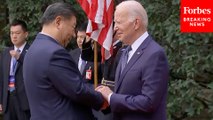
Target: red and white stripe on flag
<point x="100" y="22"/>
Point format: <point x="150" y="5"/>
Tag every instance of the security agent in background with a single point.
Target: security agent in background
<point x="13" y="100"/>
<point x="85" y="67"/>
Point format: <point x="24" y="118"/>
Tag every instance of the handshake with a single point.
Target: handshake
<point x="105" y="90"/>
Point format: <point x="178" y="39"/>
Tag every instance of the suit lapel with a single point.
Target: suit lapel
<point x="134" y="58"/>
<point x="117" y="76"/>
<point x="118" y="69"/>
<point x="138" y="53"/>
<point x="8" y="61"/>
<point x="78" y="53"/>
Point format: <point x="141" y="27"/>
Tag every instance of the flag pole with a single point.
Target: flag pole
<point x="95" y="64"/>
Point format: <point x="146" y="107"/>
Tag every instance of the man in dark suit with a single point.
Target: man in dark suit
<point x="53" y="82"/>
<point x="110" y="64"/>
<point x="85" y="67"/>
<point x="141" y="78"/>
<point x="13" y="99"/>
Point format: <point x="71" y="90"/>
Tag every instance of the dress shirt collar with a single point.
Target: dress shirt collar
<point x="20" y="48"/>
<point x="137" y="43"/>
<point x="80" y="61"/>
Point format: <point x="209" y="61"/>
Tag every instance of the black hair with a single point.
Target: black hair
<point x="82" y="27"/>
<point x="57" y="9"/>
<point x="21" y="23"/>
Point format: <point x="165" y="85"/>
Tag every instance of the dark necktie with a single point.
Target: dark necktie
<point x="124" y="58"/>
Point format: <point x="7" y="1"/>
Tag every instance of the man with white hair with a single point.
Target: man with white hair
<point x="141" y="79"/>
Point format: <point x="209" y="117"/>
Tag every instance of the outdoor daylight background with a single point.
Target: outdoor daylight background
<point x="190" y="55"/>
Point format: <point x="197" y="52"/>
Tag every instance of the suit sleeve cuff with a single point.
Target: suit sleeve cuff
<point x="108" y="99"/>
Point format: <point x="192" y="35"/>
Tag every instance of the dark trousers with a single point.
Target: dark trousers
<point x="101" y="116"/>
<point x="14" y="111"/>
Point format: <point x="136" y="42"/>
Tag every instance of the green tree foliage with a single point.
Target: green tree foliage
<point x="190" y="57"/>
<point x="190" y="54"/>
<point x="3" y="23"/>
<point x="31" y="12"/>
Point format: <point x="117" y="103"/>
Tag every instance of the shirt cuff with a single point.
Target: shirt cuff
<point x="108" y="99"/>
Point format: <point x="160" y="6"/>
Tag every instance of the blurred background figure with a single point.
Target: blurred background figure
<point x="13" y="100"/>
<point x="85" y="67"/>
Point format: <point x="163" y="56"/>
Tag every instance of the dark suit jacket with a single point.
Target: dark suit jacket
<point x="141" y="89"/>
<point x="89" y="65"/>
<point x="54" y="85"/>
<point x="110" y="64"/>
<point x="88" y="53"/>
<point x="19" y="83"/>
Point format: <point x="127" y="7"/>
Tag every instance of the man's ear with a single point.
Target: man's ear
<point x="57" y="22"/>
<point x="137" y="24"/>
<point x="26" y="35"/>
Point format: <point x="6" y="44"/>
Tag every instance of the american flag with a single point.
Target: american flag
<point x="100" y="22"/>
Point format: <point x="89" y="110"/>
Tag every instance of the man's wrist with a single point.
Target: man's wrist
<point x="109" y="96"/>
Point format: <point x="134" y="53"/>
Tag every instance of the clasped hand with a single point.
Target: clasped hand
<point x="105" y="91"/>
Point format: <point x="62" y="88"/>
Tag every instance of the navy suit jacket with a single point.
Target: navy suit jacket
<point x="54" y="85"/>
<point x="141" y="89"/>
<point x="19" y="83"/>
<point x="89" y="65"/>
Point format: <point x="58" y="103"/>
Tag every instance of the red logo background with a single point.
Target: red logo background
<point x="197" y="22"/>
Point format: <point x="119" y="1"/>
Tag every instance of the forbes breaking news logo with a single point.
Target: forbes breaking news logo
<point x="196" y="17"/>
<point x="196" y="21"/>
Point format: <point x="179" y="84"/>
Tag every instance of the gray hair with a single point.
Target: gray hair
<point x="57" y="9"/>
<point x="135" y="9"/>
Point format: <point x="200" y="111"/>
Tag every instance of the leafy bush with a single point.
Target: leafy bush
<point x="31" y="12"/>
<point x="190" y="54"/>
<point x="190" y="57"/>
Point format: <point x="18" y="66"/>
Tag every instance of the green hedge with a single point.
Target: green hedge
<point x="190" y="54"/>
